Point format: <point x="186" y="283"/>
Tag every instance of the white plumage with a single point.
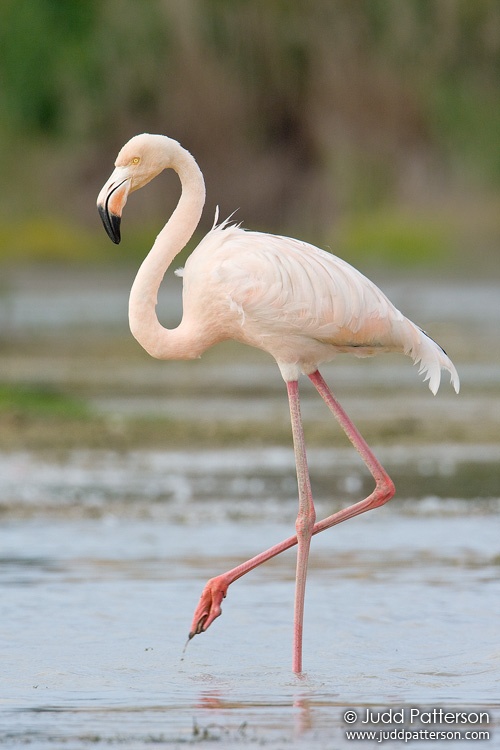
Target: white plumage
<point x="299" y="303"/>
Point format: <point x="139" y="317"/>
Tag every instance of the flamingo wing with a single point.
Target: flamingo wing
<point x="283" y="286"/>
<point x="299" y="303"/>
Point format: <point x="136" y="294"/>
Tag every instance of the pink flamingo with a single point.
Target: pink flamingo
<point x="289" y="298"/>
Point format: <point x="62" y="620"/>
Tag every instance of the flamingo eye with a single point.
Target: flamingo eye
<point x="135" y="160"/>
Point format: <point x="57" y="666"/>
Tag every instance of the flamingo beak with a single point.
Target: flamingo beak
<point x="111" y="201"/>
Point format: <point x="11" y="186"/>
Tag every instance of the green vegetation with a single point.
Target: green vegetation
<point x="396" y="239"/>
<point x="358" y="120"/>
<point x="51" y="238"/>
<point x="57" y="426"/>
<point x="45" y="238"/>
<point x="25" y="402"/>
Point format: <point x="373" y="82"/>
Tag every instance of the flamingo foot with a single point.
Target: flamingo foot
<point x="209" y="608"/>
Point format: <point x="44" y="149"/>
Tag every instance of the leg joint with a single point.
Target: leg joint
<point x="385" y="490"/>
<point x="305" y="523"/>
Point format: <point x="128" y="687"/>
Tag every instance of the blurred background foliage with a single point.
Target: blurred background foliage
<point x="371" y="127"/>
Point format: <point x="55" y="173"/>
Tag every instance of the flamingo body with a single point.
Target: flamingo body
<point x="291" y="299"/>
<point x="297" y="302"/>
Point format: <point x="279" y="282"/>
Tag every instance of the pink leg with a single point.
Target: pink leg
<point x="208" y="608"/>
<point x="215" y="590"/>
<point x="304" y="524"/>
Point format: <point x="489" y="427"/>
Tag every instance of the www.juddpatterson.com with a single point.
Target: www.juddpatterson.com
<point x="409" y="724"/>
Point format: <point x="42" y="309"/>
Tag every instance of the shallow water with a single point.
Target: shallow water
<point x="103" y="555"/>
<point x="402" y="608"/>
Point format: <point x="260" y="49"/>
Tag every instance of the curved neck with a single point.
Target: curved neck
<point x="159" y="341"/>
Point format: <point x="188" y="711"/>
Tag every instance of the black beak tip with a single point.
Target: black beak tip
<point x="111" y="224"/>
<point x="115" y="226"/>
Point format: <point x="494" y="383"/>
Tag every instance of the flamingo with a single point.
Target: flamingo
<point x="289" y="298"/>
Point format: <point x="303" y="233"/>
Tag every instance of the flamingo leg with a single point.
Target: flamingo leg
<point x="305" y="521"/>
<point x="208" y="608"/>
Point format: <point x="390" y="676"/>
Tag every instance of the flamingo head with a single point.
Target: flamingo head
<point x="139" y="161"/>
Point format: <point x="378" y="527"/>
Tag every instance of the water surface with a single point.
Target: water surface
<point x="104" y="553"/>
